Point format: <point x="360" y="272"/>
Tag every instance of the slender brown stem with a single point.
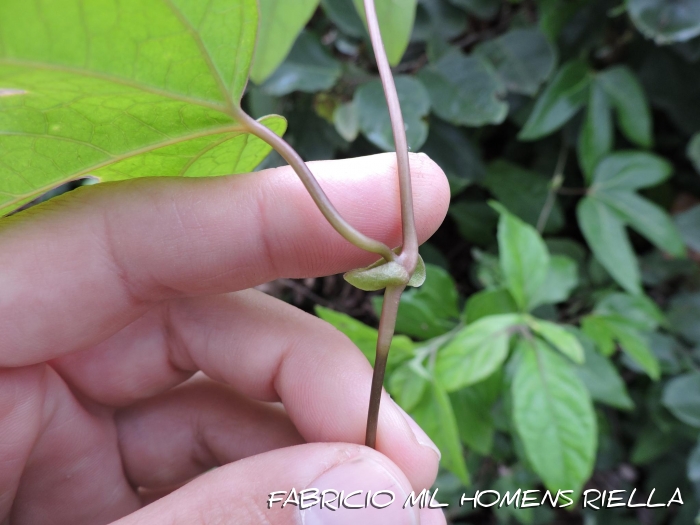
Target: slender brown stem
<point x="387" y="321"/>
<point x="312" y="186"/>
<point x="409" y="252"/>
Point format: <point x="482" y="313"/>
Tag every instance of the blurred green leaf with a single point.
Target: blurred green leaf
<point x="693" y="151"/>
<point x="605" y="234"/>
<point x="562" y="98"/>
<point x="523" y="59"/>
<point x="444" y="20"/>
<point x="554" y="417"/>
<point x="606" y="329"/>
<point x="396" y="19"/>
<point x="595" y="140"/>
<point x="637" y="309"/>
<point x="666" y="21"/>
<point x="309" y="68"/>
<point x="524" y="258"/>
<point x="280" y="23"/>
<point x="408" y="383"/>
<point x="647" y="219"/>
<point x="373" y="113"/>
<point x="554" y="15"/>
<point x="688" y="224"/>
<point x="489" y="302"/>
<point x="435" y="415"/>
<point x="472" y="407"/>
<point x="627" y="97"/>
<point x="562" y="279"/>
<point x="682" y="397"/>
<point x="630" y="170"/>
<point x="464" y="90"/>
<point x="683" y="315"/>
<point x="365" y="337"/>
<point x="476" y="221"/>
<point x="602" y="379"/>
<point x="344" y="15"/>
<point x="484" y="9"/>
<point x="455" y="154"/>
<point x="651" y="444"/>
<point x="346" y="121"/>
<point x="523" y="192"/>
<point x="475" y="352"/>
<point x="559" y="338"/>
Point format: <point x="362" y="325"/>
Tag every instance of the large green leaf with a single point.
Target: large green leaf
<point x="373" y="113"/>
<point x="472" y="407"/>
<point x="396" y="19"/>
<point x="280" y="23"/>
<point x="562" y="279"/>
<point x="682" y="397"/>
<point x="138" y="89"/>
<point x="475" y="352"/>
<point x="524" y="259"/>
<point x="489" y="302"/>
<point x="666" y="21"/>
<point x="523" y="59"/>
<point x="464" y="90"/>
<point x="606" y="235"/>
<point x="596" y="138"/>
<point x="309" y="67"/>
<point x="627" y="96"/>
<point x="647" y="219"/>
<point x="562" y="98"/>
<point x="559" y="337"/>
<point x="435" y="415"/>
<point x="630" y="170"/>
<point x="554" y="417"/>
<point x="408" y="383"/>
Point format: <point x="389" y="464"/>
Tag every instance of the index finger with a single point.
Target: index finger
<point x="79" y="268"/>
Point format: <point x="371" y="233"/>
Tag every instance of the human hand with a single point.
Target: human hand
<point x="113" y="296"/>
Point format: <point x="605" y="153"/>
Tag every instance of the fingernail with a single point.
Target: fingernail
<point x="361" y="476"/>
<point x="420" y="434"/>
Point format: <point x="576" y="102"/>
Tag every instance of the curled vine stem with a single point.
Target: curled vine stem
<point x="408" y="256"/>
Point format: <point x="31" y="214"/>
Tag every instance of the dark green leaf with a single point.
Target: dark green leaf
<point x="280" y="23"/>
<point x="524" y="259"/>
<point x="408" y="384"/>
<point x="489" y="302"/>
<point x="630" y="170"/>
<point x="693" y="151"/>
<point x="523" y="192"/>
<point x="346" y="121"/>
<point x="682" y="397"/>
<point x="559" y="338"/>
<point x="688" y="224"/>
<point x="309" y="68"/>
<point x="683" y="316"/>
<point x="605" y="234"/>
<point x="627" y="96"/>
<point x="365" y="337"/>
<point x="475" y="352"/>
<point x="344" y="15"/>
<point x="485" y="9"/>
<point x="554" y="417"/>
<point x="666" y="21"/>
<point x="396" y="19"/>
<point x="596" y="138"/>
<point x="464" y="90"/>
<point x="561" y="280"/>
<point x="373" y="113"/>
<point x="651" y="444"/>
<point x="638" y="309"/>
<point x="648" y="219"/>
<point x="435" y="415"/>
<point x="523" y="59"/>
<point x="443" y="19"/>
<point x="455" y="154"/>
<point x="476" y="221"/>
<point x="472" y="407"/>
<point x="562" y="98"/>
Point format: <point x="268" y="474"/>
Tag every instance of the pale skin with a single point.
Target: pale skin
<point x="115" y="296"/>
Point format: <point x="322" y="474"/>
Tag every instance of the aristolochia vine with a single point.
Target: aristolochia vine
<point x="396" y="270"/>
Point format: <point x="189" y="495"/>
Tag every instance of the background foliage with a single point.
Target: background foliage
<point x="555" y="342"/>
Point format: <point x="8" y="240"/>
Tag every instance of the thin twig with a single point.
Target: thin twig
<point x="554" y="185"/>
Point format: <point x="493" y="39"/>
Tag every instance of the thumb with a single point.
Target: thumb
<point x="253" y="491"/>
